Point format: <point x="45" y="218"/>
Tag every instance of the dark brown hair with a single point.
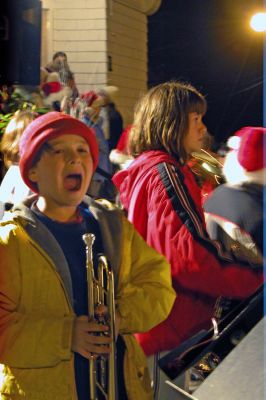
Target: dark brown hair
<point x="161" y="118"/>
<point x="59" y="54"/>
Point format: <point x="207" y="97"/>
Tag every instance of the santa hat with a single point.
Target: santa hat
<point x="48" y="127"/>
<point x="247" y="154"/>
<point x="52" y="86"/>
<point x="92" y="99"/>
<point x="249" y="144"/>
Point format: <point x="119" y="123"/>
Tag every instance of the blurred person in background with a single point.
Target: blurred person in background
<point x="112" y="120"/>
<point x="60" y="65"/>
<point x="101" y="185"/>
<point x="13" y="189"/>
<point x="234" y="211"/>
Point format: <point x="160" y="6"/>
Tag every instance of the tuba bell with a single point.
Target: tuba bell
<point x="101" y="292"/>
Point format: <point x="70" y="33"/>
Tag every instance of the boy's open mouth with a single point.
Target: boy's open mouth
<point x="72" y="182"/>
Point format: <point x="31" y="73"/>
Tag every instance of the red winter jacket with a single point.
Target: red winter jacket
<point x="163" y="201"/>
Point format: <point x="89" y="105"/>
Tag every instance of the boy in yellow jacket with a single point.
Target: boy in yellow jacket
<point x="45" y="336"/>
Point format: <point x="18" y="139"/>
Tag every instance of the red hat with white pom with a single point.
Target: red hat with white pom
<point x="250" y="145"/>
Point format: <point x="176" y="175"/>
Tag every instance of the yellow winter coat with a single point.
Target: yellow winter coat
<point x="36" y="315"/>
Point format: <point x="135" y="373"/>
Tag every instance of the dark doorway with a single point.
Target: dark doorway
<point x="20" y="38"/>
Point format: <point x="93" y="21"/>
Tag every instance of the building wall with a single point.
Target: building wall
<point x="105" y="41"/>
<point x="127" y="52"/>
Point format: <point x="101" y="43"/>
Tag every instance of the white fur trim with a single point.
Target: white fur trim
<point x="119" y="158"/>
<point x="99" y="102"/>
<point x="234" y="142"/>
<point x="111" y="92"/>
<point x="235" y="174"/>
<point x="53" y="77"/>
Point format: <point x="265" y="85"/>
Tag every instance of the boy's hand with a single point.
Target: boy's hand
<point x="84" y="340"/>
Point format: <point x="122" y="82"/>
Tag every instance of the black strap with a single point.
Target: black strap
<point x="104" y="173"/>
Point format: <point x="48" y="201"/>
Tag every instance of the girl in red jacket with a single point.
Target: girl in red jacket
<point x="163" y="201"/>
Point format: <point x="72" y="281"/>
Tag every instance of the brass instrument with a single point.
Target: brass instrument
<point x="206" y="166"/>
<point x="101" y="292"/>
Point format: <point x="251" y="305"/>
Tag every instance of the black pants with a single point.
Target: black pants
<point x="120" y="352"/>
<point x="82" y="373"/>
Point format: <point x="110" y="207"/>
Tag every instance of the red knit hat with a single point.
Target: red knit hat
<point x="48" y="127"/>
<point x="249" y="142"/>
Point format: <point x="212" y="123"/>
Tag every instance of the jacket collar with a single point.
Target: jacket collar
<point x="22" y="210"/>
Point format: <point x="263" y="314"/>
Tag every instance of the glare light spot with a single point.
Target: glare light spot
<point x="258" y="22"/>
<point x="206" y="166"/>
<point x="2" y="377"/>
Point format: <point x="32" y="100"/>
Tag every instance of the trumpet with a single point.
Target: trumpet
<point x="101" y="292"/>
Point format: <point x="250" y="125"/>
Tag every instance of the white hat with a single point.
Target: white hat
<point x="110" y="92"/>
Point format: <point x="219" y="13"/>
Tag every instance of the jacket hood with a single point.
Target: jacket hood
<point x="127" y="179"/>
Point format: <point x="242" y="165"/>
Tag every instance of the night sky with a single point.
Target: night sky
<point x="210" y="44"/>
